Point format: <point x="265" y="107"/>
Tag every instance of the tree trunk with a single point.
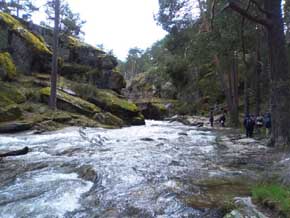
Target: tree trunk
<point x="280" y="88"/>
<point x="258" y="71"/>
<point x="234" y="92"/>
<point x="246" y="90"/>
<point x="53" y="79"/>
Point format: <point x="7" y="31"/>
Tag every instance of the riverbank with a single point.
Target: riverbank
<point x="248" y="166"/>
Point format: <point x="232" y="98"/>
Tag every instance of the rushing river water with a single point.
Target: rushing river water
<point x="140" y="171"/>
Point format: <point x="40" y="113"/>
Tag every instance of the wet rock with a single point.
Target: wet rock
<point x="108" y="119"/>
<point x="183" y="133"/>
<point x="245" y="209"/>
<point x="147" y="139"/>
<point x="13" y="127"/>
<point x="153" y="111"/>
<point x="86" y="172"/>
<point x="138" y="120"/>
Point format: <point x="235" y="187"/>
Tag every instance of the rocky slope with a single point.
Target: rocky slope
<point x="89" y="85"/>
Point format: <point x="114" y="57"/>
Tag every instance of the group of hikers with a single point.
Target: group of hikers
<point x="250" y="122"/>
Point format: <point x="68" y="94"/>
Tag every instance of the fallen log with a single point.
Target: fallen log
<point x="22" y="151"/>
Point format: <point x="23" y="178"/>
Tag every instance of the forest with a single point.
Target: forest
<point x="228" y="53"/>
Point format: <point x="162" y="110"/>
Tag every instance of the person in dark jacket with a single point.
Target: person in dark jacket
<point x="249" y="124"/>
<point x="222" y="120"/>
<point x="268" y="123"/>
<point x="211" y="119"/>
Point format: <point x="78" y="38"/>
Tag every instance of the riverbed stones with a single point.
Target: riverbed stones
<point x="245" y="208"/>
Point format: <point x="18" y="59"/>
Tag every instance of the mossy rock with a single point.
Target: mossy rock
<point x="36" y="42"/>
<point x="15" y="126"/>
<point x="75" y="71"/>
<point x="138" y="120"/>
<point x="70" y="103"/>
<point x="108" y="62"/>
<point x="154" y="111"/>
<point x="108" y="119"/>
<point x="10" y="94"/>
<point x="109" y="101"/>
<point x="10" y="112"/>
<point x="7" y="67"/>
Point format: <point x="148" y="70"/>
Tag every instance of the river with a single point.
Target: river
<point x="139" y="171"/>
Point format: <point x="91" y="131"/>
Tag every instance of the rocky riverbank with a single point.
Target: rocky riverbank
<point x="243" y="163"/>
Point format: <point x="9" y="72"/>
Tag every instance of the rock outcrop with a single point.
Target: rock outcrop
<point x="29" y="51"/>
<point x="25" y="66"/>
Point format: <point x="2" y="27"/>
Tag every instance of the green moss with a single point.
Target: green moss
<point x="112" y="100"/>
<point x="75" y="102"/>
<point x="8" y="65"/>
<point x="109" y="119"/>
<point x="273" y="195"/>
<point x="9" y="113"/>
<point x="106" y="98"/>
<point x="10" y="94"/>
<point x="30" y="38"/>
<point x="161" y="107"/>
<point x="75" y="43"/>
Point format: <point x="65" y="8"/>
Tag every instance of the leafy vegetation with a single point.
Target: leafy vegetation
<point x="273" y="195"/>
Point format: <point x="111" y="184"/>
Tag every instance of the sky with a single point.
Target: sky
<point x="117" y="24"/>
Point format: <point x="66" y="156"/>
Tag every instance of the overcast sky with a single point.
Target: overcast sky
<point x="118" y="24"/>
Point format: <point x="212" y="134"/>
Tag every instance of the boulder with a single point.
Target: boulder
<point x="10" y="112"/>
<point x="70" y="103"/>
<point x="10" y="96"/>
<point x="22" y="42"/>
<point x="15" y="126"/>
<point x="154" y="111"/>
<point x="245" y="209"/>
<point x="75" y="72"/>
<point x="108" y="119"/>
<point x="108" y="62"/>
<point x="111" y="102"/>
<point x="107" y="79"/>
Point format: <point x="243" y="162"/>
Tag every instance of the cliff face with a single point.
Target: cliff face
<point x="85" y="73"/>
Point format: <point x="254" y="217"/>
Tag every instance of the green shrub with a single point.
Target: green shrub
<point x="274" y="195"/>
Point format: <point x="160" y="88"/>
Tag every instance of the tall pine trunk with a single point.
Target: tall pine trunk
<point x="280" y="86"/>
<point x="53" y="78"/>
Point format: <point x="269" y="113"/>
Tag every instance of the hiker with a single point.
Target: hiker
<point x="268" y="123"/>
<point x="222" y="120"/>
<point x="211" y="119"/>
<point x="249" y="124"/>
<point x="259" y="121"/>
